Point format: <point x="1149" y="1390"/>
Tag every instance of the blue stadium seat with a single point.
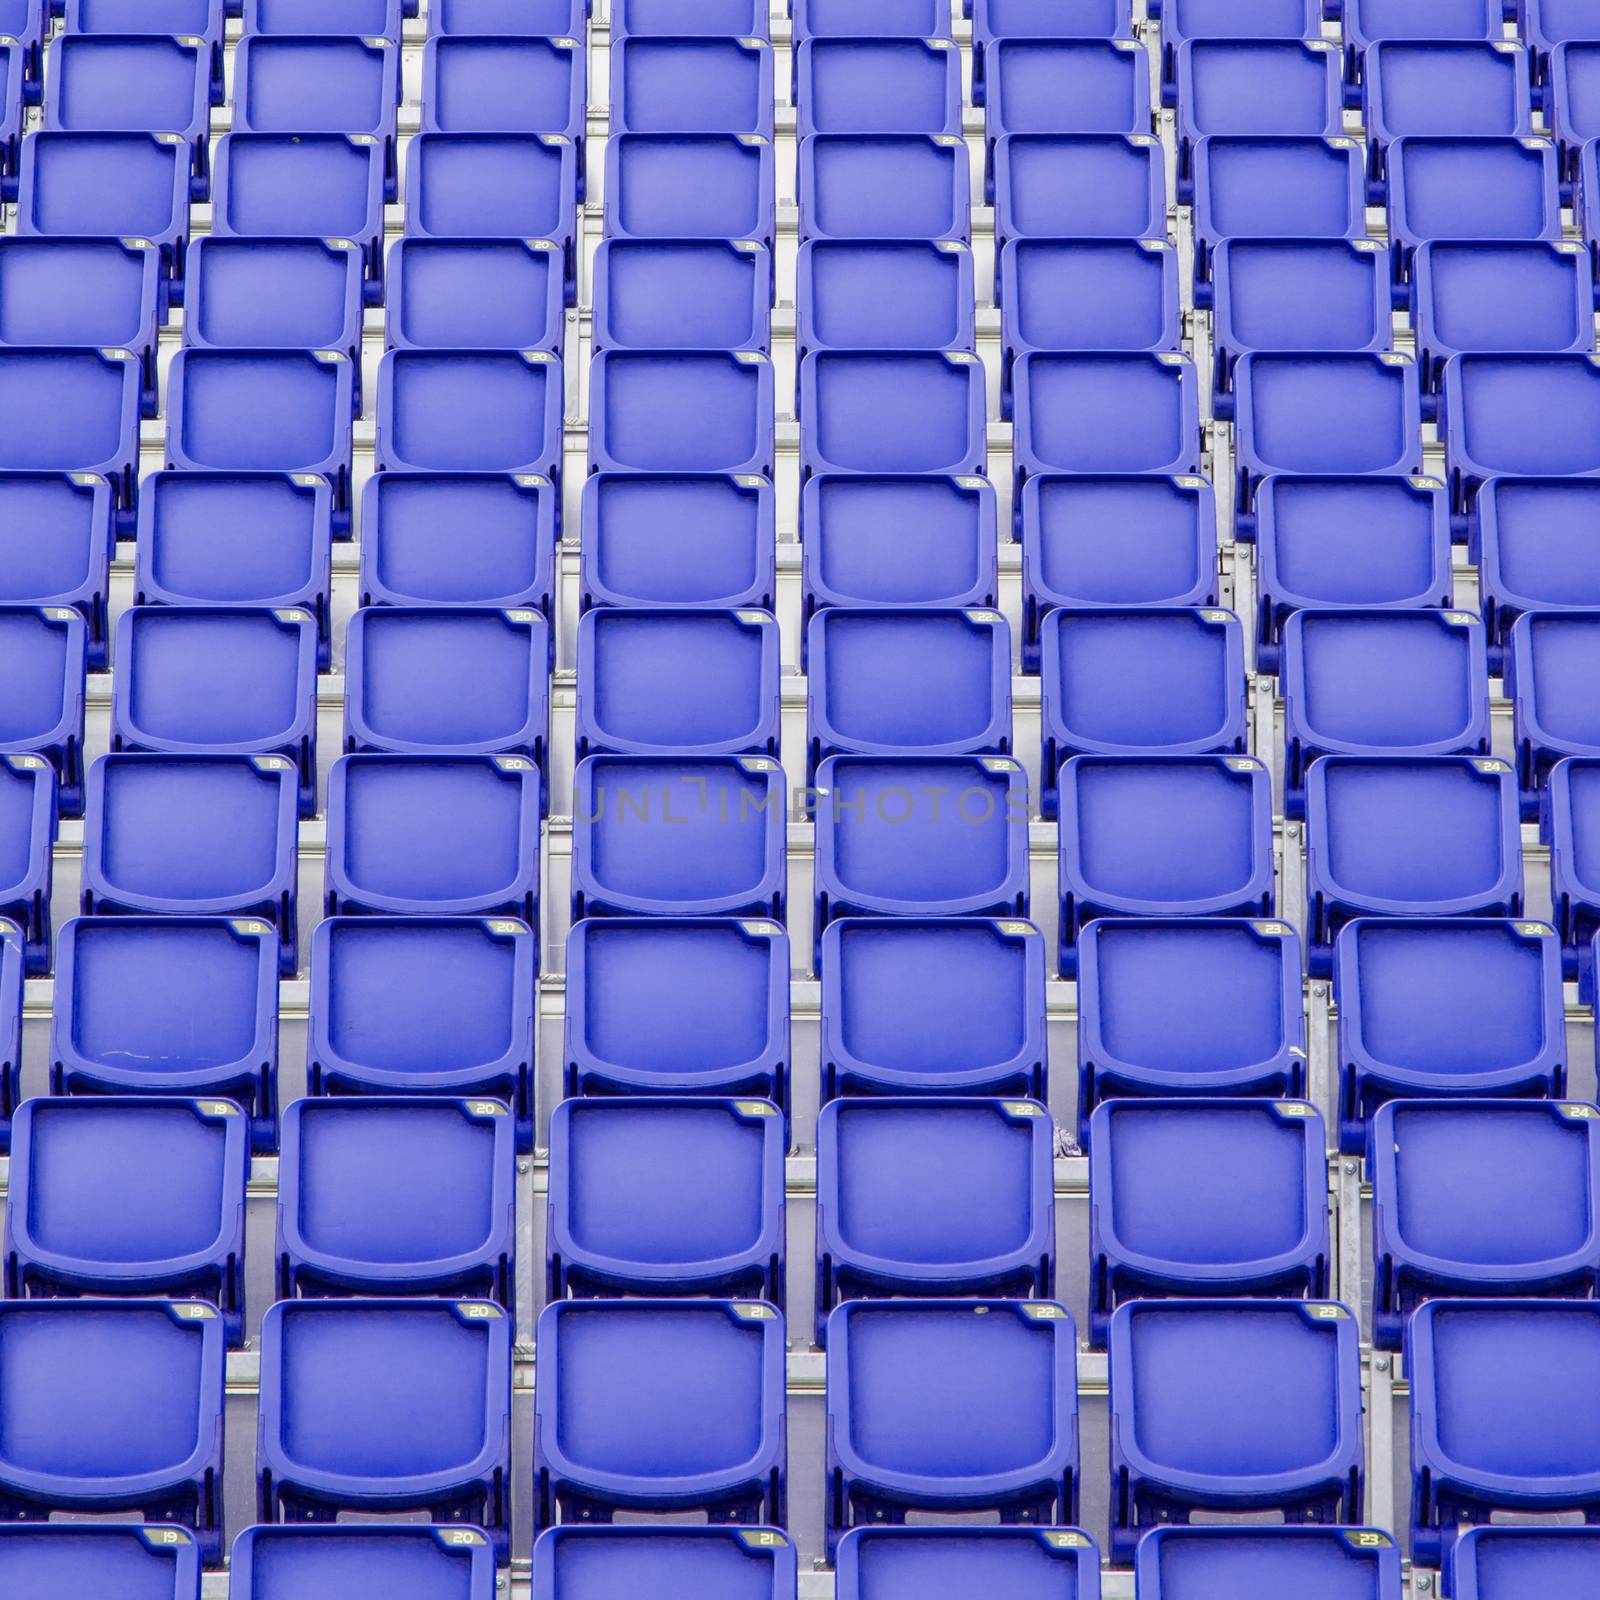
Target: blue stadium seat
<point x="193" y="836"/>
<point x="1005" y="1439"/>
<point x="688" y="294"/>
<point x="1065" y="85"/>
<point x="1367" y="22"/>
<point x="1101" y="186"/>
<point x="612" y="1428"/>
<point x="1482" y="1198"/>
<point x="150" y="1563"/>
<point x="928" y="836"/>
<point x="679" y="411"/>
<point x="692" y="85"/>
<point x="169" y="1006"/>
<point x="365" y="1563"/>
<point x="984" y="1222"/>
<point x="413" y="1006"/>
<point x="877" y="85"/>
<point x="24" y="21"/>
<point x="504" y="85"/>
<point x="666" y="1196"/>
<point x="1038" y="19"/>
<point x="1197" y="1006"/>
<point x="1548" y="23"/>
<point x="129" y="1197"/>
<point x="1503" y="1415"/>
<point x="379" y="1406"/>
<point x="114" y="1405"/>
<point x="202" y="19"/>
<point x="433" y="836"/>
<point x="1569" y="97"/>
<point x="673" y="18"/>
<point x="885" y="186"/>
<point x="892" y="411"/>
<point x="952" y="1005"/>
<point x="1574" y="878"/>
<point x="434" y="680"/>
<point x="1500" y="1563"/>
<point x="926" y="1563"/>
<point x="1445" y="1008"/>
<point x="1338" y="677"/>
<point x="1534" y="550"/>
<point x="506" y="17"/>
<point x="678" y="836"/>
<point x="1145" y="681"/>
<point x="1549" y="668"/>
<point x="1205" y="1197"/>
<point x="380" y="19"/>
<point x="11" y="1002"/>
<point x="1222" y="1563"/>
<point x="1194" y="1429"/>
<point x="56" y="540"/>
<point x="708" y="1011"/>
<point x="691" y="539"/>
<point x="659" y="1562"/>
<point x="1587" y="198"/>
<point x="235" y="539"/>
<point x="686" y="682"/>
<point x="841" y="19"/>
<point x="388" y="1196"/>
<point x="858" y="294"/>
<point x="27" y="836"/>
<point x="1233" y="19"/>
<point x="689" y="186"/>
<point x="1164" y="552"/>
<point x="43" y="660"/>
<point x="465" y="539"/>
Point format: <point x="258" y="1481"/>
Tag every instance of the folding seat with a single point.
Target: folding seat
<point x="877" y="85"/>
<point x="905" y="295"/>
<point x="114" y="1405"/>
<point x="55" y="544"/>
<point x="692" y="85"/>
<point x="707" y="1009"/>
<point x="660" y="1561"/>
<point x="13" y="72"/>
<point x="1500" y="1563"/>
<point x="885" y="186"/>
<point x="678" y="411"/>
<point x="43" y="662"/>
<point x="364" y="1562"/>
<point x="1398" y="836"/>
<point x="1230" y="19"/>
<point x="1503" y="1415"/>
<point x="424" y="1006"/>
<point x="945" y="1563"/>
<point x="466" y="294"/>
<point x="123" y="1197"/>
<point x="666" y="1196"/>
<point x="893" y="412"/>
<point x="921" y="836"/>
<point x="984" y="1221"/>
<point x="1005" y="1437"/>
<point x="678" y="836"/>
<point x="24" y="21"/>
<point x="1367" y="22"/>
<point x="691" y="539"/>
<point x="464" y="539"/>
<point x="1569" y="97"/>
<point x="27" y="835"/>
<point x="134" y="83"/>
<point x="680" y="18"/>
<point x="193" y="836"/>
<point x="194" y="19"/>
<point x="1164" y="552"/>
<point x="1163" y="836"/>
<point x="433" y="836"/>
<point x="150" y="1563"/>
<point x="11" y="992"/>
<point x="682" y="294"/>
<point x="1144" y="681"/>
<point x="1587" y="197"/>
<point x="1549" y="23"/>
<point x="373" y="19"/>
<point x="1339" y="672"/>
<point x="1534" y="548"/>
<point x="1039" y="19"/>
<point x="1205" y="1197"/>
<point x="690" y="186"/>
<point x="839" y="19"/>
<point x="1570" y="801"/>
<point x="1319" y="1563"/>
<point x="379" y="1406"/>
<point x="232" y="681"/>
<point x="1550" y="665"/>
<point x="543" y="18"/>
<point x="660" y="1405"/>
<point x="684" y="682"/>
<point x="1082" y="186"/>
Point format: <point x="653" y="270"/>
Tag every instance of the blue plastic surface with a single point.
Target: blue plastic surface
<point x="201" y="19"/>
<point x="1065" y="85"/>
<point x="43" y="661"/>
<point x="859" y="294"/>
<point x="927" y="1563"/>
<point x="704" y="294"/>
<point x="25" y="21"/>
<point x="363" y="1563"/>
<point x="1223" y="1563"/>
<point x="55" y="545"/>
<point x="1051" y="186"/>
<point x="892" y="412"/>
<point x="1535" y="550"/>
<point x="142" y="1563"/>
<point x="526" y="84"/>
<point x="1548" y="23"/>
<point x="662" y="1562"/>
<point x="692" y="85"/>
<point x="673" y="18"/>
<point x="11" y="993"/>
<point x="1501" y="1563"/>
<point x="372" y="18"/>
<point x="689" y="186"/>
<point x="885" y="186"/>
<point x="679" y="411"/>
<point x="1039" y="19"/>
<point x="1532" y="415"/>
<point x="877" y="85"/>
<point x="1550" y="666"/>
<point x="27" y="835"/>
<point x="507" y="17"/>
<point x="835" y="19"/>
<point x="1569" y="97"/>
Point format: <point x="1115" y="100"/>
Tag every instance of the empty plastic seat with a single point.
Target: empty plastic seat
<point x="202" y="19"/>
<point x="24" y="21"/>
<point x="892" y="411"/>
<point x="114" y="1405"/>
<point x="416" y="1563"/>
<point x="1570" y="96"/>
<point x="1237" y="19"/>
<point x="43" y="660"/>
<point x="124" y="1197"/>
<point x="27" y="833"/>
<point x="678" y="411"/>
<point x="877" y="85"/>
<point x="504" y="85"/>
<point x="1535" y="552"/>
<point x="885" y="186"/>
<point x="709" y="294"/>
<point x="431" y="680"/>
<point x="1574" y="881"/>
<point x="1051" y="186"/>
<point x="162" y="1563"/>
<point x="1550" y="666"/>
<point x="1501" y="1563"/>
<point x="1534" y="415"/>
<point x="1502" y="1414"/>
<point x="508" y="17"/>
<point x="386" y="1405"/>
<point x="465" y="293"/>
<point x="657" y="1562"/>
<point x="672" y="18"/>
<point x="1548" y="23"/>
<point x="836" y="19"/>
<point x="193" y="836"/>
<point x="1163" y="836"/>
<point x="55" y="545"/>
<point x="1006" y="1437"/>
<point x="11" y="993"/>
<point x="678" y="1197"/>
<point x="984" y="1221"/>
<point x="1320" y="1563"/>
<point x="1065" y="85"/>
<point x="1026" y="1563"/>
<point x="692" y="539"/>
<point x="1038" y="19"/>
<point x="690" y="186"/>
<point x="444" y="540"/>
<point x="860" y="294"/>
<point x="660" y="1405"/>
<point x="424" y="1006"/>
<point x="683" y="836"/>
<point x="692" y="85"/>
<point x="677" y="682"/>
<point x="371" y="18"/>
<point x="169" y="1006"/>
<point x="1587" y="199"/>
<point x="1206" y="1197"/>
